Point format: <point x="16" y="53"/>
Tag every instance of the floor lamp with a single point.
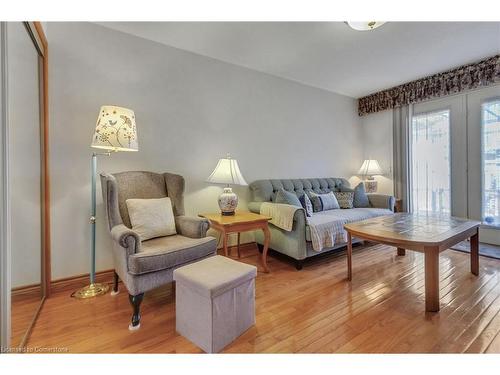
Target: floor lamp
<point x="115" y="131"/>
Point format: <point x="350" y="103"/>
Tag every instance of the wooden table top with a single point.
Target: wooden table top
<point x="430" y="229"/>
<point x="238" y="218"/>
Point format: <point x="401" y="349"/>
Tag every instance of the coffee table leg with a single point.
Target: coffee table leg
<point x="267" y="237"/>
<point x="349" y="256"/>
<point x="401" y="251"/>
<point x="431" y="279"/>
<point x="474" y="253"/>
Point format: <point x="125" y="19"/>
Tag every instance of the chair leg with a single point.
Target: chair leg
<point x="135" y="301"/>
<point x="115" y="290"/>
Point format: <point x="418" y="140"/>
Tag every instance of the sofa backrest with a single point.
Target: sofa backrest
<point x="265" y="190"/>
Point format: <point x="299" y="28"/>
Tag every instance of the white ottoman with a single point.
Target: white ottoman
<point x="215" y="301"/>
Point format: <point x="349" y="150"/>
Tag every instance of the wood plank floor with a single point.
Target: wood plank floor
<point x="311" y="311"/>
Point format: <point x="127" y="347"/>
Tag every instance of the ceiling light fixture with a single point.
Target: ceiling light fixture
<point x="363" y="26"/>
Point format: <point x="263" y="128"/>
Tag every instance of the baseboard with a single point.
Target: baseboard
<point x="72" y="283"/>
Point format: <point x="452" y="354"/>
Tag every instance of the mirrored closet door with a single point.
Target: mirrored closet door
<point x="26" y="50"/>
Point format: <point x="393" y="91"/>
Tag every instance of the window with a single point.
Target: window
<point x="491" y="162"/>
<point x="430" y="161"/>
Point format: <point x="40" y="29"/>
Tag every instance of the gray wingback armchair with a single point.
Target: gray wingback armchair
<point x="144" y="265"/>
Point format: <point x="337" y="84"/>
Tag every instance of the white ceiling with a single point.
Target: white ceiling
<point x="330" y="55"/>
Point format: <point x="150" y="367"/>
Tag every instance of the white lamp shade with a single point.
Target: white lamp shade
<point x="115" y="129"/>
<point x="227" y="172"/>
<point x="370" y="167"/>
<point x="364" y="26"/>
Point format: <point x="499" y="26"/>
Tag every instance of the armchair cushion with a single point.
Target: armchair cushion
<point x="151" y="218"/>
<point x="194" y="227"/>
<point x="168" y="252"/>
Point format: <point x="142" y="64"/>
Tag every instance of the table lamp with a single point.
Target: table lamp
<point x="369" y="169"/>
<point x="228" y="173"/>
<point x="115" y="131"/>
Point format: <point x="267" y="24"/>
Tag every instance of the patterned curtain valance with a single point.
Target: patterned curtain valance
<point x="482" y="73"/>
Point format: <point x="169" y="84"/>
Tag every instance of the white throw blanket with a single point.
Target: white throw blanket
<point x="326" y="227"/>
<point x="325" y="232"/>
<point x="281" y="214"/>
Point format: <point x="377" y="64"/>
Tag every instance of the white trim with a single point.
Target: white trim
<point x="5" y="279"/>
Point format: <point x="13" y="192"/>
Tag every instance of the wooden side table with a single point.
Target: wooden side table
<point x="241" y="221"/>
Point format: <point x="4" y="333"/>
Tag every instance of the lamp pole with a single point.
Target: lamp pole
<point x="94" y="289"/>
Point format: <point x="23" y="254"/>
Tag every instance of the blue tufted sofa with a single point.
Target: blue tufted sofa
<point x="296" y="244"/>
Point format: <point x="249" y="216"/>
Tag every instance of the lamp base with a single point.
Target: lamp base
<point x="90" y="291"/>
<point x="228" y="201"/>
<point x="371" y="186"/>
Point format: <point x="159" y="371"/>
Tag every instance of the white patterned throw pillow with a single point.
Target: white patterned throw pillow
<point x="345" y="198"/>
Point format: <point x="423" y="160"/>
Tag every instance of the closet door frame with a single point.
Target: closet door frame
<point x="458" y="141"/>
<point x="35" y="30"/>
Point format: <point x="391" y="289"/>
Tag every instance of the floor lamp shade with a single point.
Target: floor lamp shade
<point x="115" y="129"/>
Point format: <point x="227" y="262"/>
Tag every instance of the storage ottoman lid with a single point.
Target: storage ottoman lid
<point x="215" y="275"/>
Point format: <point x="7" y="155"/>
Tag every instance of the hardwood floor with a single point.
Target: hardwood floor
<point x="310" y="311"/>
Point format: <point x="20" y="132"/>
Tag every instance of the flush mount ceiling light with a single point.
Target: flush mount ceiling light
<point x="363" y="26"/>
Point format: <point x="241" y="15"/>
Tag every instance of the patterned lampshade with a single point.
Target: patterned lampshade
<point x="115" y="129"/>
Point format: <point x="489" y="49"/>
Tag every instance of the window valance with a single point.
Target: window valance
<point x="466" y="77"/>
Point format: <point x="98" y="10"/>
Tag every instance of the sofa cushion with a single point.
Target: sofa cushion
<point x="345" y="198"/>
<point x="285" y="197"/>
<point x="348" y="216"/>
<point x="168" y="252"/>
<point x="360" y="197"/>
<point x="306" y="204"/>
<point x="329" y="201"/>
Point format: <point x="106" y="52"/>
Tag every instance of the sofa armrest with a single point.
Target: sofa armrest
<point x="382" y="201"/>
<point x="190" y="226"/>
<point x="254" y="207"/>
<point x="126" y="238"/>
<point x="298" y="217"/>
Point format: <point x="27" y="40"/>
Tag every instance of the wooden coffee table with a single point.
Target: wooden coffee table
<point x="428" y="234"/>
<point x="241" y="221"/>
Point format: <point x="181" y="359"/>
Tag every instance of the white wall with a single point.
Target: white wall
<point x="190" y="111"/>
<point x="377" y="144"/>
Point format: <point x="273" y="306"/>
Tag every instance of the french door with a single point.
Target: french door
<point x="454" y="149"/>
<point x="483" y="119"/>
<point x="438" y="157"/>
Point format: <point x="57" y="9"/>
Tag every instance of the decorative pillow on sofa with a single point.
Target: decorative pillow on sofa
<point x="360" y="197"/>
<point x="324" y="202"/>
<point x="151" y="218"/>
<point x="286" y="197"/>
<point x="306" y="203"/>
<point x="345" y="198"/>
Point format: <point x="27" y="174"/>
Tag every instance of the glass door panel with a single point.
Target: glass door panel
<point x="490" y="125"/>
<point x="430" y="162"/>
